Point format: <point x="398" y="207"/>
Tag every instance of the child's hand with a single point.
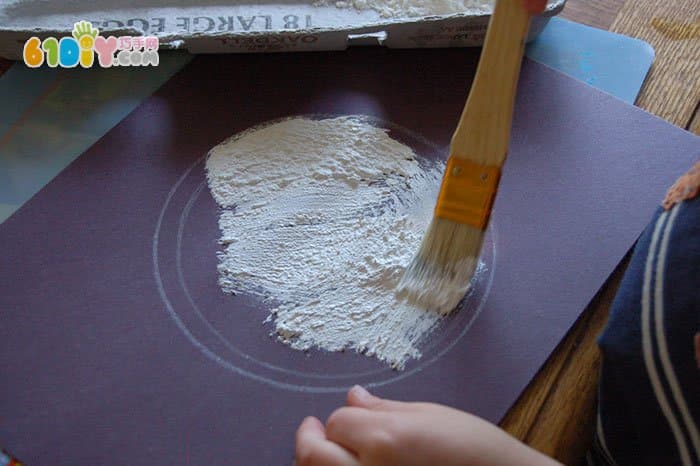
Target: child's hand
<point x="535" y="6"/>
<point x="371" y="431"/>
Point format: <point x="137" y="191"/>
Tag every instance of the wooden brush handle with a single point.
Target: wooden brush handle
<point x="483" y="131"/>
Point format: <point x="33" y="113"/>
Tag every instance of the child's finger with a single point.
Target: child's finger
<point x="361" y="398"/>
<point x="313" y="449"/>
<point x="353" y="428"/>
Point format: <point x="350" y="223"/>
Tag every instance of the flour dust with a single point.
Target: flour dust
<point x="319" y="218"/>
<point x="413" y="8"/>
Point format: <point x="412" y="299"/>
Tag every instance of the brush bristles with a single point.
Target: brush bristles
<point x="438" y="277"/>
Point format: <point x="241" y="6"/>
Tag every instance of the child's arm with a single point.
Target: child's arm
<point x="371" y="431"/>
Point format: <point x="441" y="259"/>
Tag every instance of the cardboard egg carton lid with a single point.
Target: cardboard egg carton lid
<point x="215" y="26"/>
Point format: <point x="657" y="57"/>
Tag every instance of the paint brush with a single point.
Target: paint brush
<point x="439" y="275"/>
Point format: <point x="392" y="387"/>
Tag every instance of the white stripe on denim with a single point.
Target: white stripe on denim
<point x="601" y="439"/>
<point x="647" y="349"/>
<point x="664" y="357"/>
<point x="589" y="459"/>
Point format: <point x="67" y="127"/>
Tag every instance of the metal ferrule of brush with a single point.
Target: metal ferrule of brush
<point x="467" y="192"/>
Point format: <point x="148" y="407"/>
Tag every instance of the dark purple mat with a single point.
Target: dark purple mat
<point x="117" y="345"/>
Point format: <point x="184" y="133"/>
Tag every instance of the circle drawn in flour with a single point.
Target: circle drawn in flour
<point x="208" y="326"/>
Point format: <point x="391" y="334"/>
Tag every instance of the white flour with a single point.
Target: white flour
<point x="413" y="8"/>
<point x="320" y="218"/>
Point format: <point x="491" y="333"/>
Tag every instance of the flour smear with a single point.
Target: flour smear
<point x="319" y="219"/>
<point x="413" y="8"/>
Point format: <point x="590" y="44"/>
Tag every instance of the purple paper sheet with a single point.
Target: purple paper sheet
<point x="117" y="344"/>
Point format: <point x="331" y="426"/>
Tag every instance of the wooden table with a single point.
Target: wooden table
<point x="555" y="414"/>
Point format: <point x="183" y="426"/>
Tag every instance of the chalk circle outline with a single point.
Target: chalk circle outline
<point x="307" y="388"/>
